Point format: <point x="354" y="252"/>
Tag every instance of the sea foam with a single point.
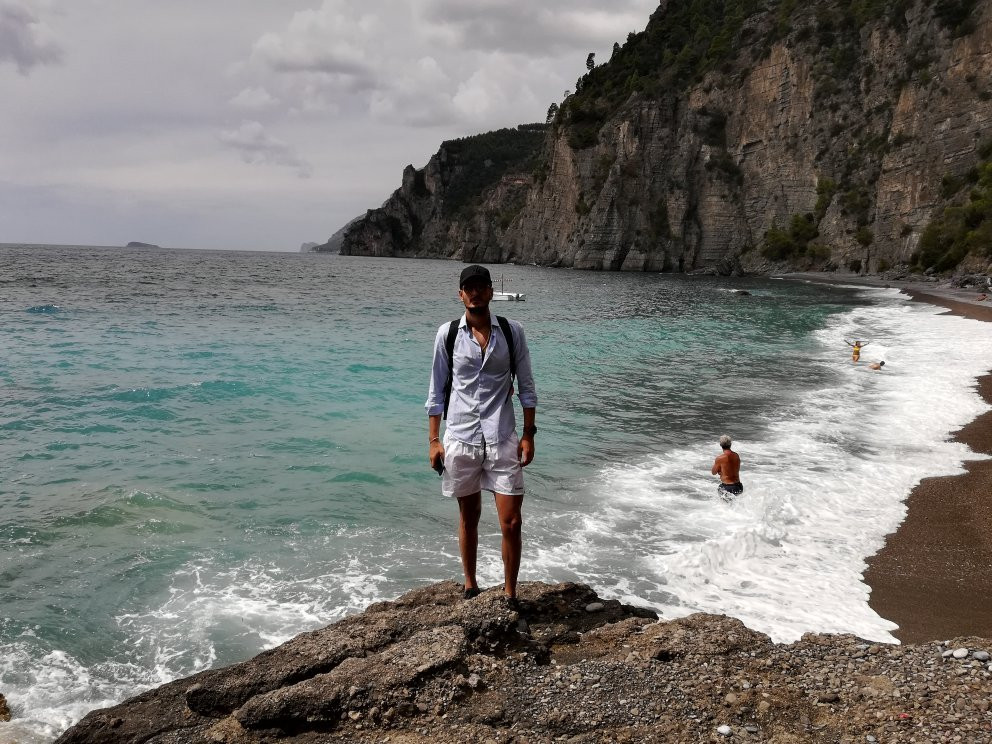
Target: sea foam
<point x="824" y="485"/>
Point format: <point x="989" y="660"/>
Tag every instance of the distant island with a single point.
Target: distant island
<point x="136" y="244"/>
<point x="308" y="247"/>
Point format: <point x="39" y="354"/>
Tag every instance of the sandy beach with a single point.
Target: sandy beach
<point x="933" y="576"/>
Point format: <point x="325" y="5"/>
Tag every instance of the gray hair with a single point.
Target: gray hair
<point x="725" y="442"/>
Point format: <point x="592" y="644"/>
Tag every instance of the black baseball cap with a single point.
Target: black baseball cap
<point x="475" y="272"/>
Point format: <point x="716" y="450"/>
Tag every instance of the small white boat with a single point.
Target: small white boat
<point x="507" y="296"/>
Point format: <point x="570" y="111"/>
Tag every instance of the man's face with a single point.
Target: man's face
<point x="476" y="295"/>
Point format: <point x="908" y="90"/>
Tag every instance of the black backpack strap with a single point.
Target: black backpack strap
<point x="508" y="335"/>
<point x="449" y="346"/>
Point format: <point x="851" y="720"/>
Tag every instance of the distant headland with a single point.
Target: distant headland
<point x="137" y="244"/>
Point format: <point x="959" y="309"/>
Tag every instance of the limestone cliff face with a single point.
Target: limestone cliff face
<point x="693" y="177"/>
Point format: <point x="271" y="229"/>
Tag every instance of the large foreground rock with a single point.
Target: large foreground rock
<point x="564" y="666"/>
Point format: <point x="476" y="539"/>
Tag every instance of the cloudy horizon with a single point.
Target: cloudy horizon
<point x="261" y="125"/>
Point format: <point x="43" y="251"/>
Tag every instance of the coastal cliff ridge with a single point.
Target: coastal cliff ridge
<point x="805" y="136"/>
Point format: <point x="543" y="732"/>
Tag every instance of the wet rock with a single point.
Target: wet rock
<point x="322" y="698"/>
<point x="4" y="710"/>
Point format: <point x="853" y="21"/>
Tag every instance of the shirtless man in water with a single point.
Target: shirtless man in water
<point x="728" y="467"/>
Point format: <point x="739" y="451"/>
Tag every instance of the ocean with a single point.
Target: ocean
<point x="203" y="454"/>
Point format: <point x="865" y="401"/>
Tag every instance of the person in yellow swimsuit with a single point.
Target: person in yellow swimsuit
<point x="856" y="347"/>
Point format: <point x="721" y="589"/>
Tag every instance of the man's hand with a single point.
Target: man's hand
<point x="436" y="454"/>
<point x="525" y="450"/>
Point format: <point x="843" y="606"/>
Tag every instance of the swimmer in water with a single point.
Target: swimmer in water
<point x="856" y="347"/>
<point x="728" y="467"/>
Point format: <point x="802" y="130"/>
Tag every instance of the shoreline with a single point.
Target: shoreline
<point x="932" y="576"/>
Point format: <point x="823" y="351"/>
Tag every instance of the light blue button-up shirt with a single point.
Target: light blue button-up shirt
<point x="480" y="408"/>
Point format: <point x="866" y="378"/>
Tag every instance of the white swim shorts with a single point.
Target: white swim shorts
<point x="470" y="468"/>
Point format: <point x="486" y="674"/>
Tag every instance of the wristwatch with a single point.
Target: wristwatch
<point x="530" y="430"/>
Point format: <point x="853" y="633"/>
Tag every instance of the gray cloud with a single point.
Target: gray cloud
<point x="544" y="29"/>
<point x="125" y="133"/>
<point x="254" y="98"/>
<point x="257" y="147"/>
<point x="431" y="63"/>
<point x="331" y="42"/>
<point x="24" y="40"/>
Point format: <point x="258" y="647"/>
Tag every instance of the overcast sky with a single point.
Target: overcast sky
<point x="261" y="124"/>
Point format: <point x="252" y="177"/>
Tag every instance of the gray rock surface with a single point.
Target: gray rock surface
<point x="433" y="667"/>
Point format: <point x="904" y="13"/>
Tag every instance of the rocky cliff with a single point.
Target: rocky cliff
<point x="563" y="665"/>
<point x="334" y="243"/>
<point x="734" y="135"/>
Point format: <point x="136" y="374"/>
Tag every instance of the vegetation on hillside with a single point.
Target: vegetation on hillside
<point x="478" y="162"/>
<point x="780" y="244"/>
<point x="965" y="226"/>
<point x="685" y="40"/>
<point x="680" y="43"/>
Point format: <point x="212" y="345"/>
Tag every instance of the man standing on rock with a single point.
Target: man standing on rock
<point x="472" y="377"/>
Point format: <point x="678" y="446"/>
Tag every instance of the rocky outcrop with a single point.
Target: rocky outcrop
<point x="137" y="244"/>
<point x="4" y="710"/>
<point x="459" y="205"/>
<point x="562" y="665"/>
<point x="334" y="243"/>
<point x="858" y="128"/>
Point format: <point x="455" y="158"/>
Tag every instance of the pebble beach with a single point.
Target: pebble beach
<point x="932" y="577"/>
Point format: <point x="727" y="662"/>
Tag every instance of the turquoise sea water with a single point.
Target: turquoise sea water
<point x="205" y="453"/>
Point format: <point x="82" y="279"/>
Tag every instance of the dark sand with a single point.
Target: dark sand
<point x="933" y="577"/>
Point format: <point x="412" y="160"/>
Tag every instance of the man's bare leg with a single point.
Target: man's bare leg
<point x="510" y="523"/>
<point x="469" y="510"/>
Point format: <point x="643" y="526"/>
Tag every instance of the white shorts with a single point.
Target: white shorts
<point x="470" y="468"/>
